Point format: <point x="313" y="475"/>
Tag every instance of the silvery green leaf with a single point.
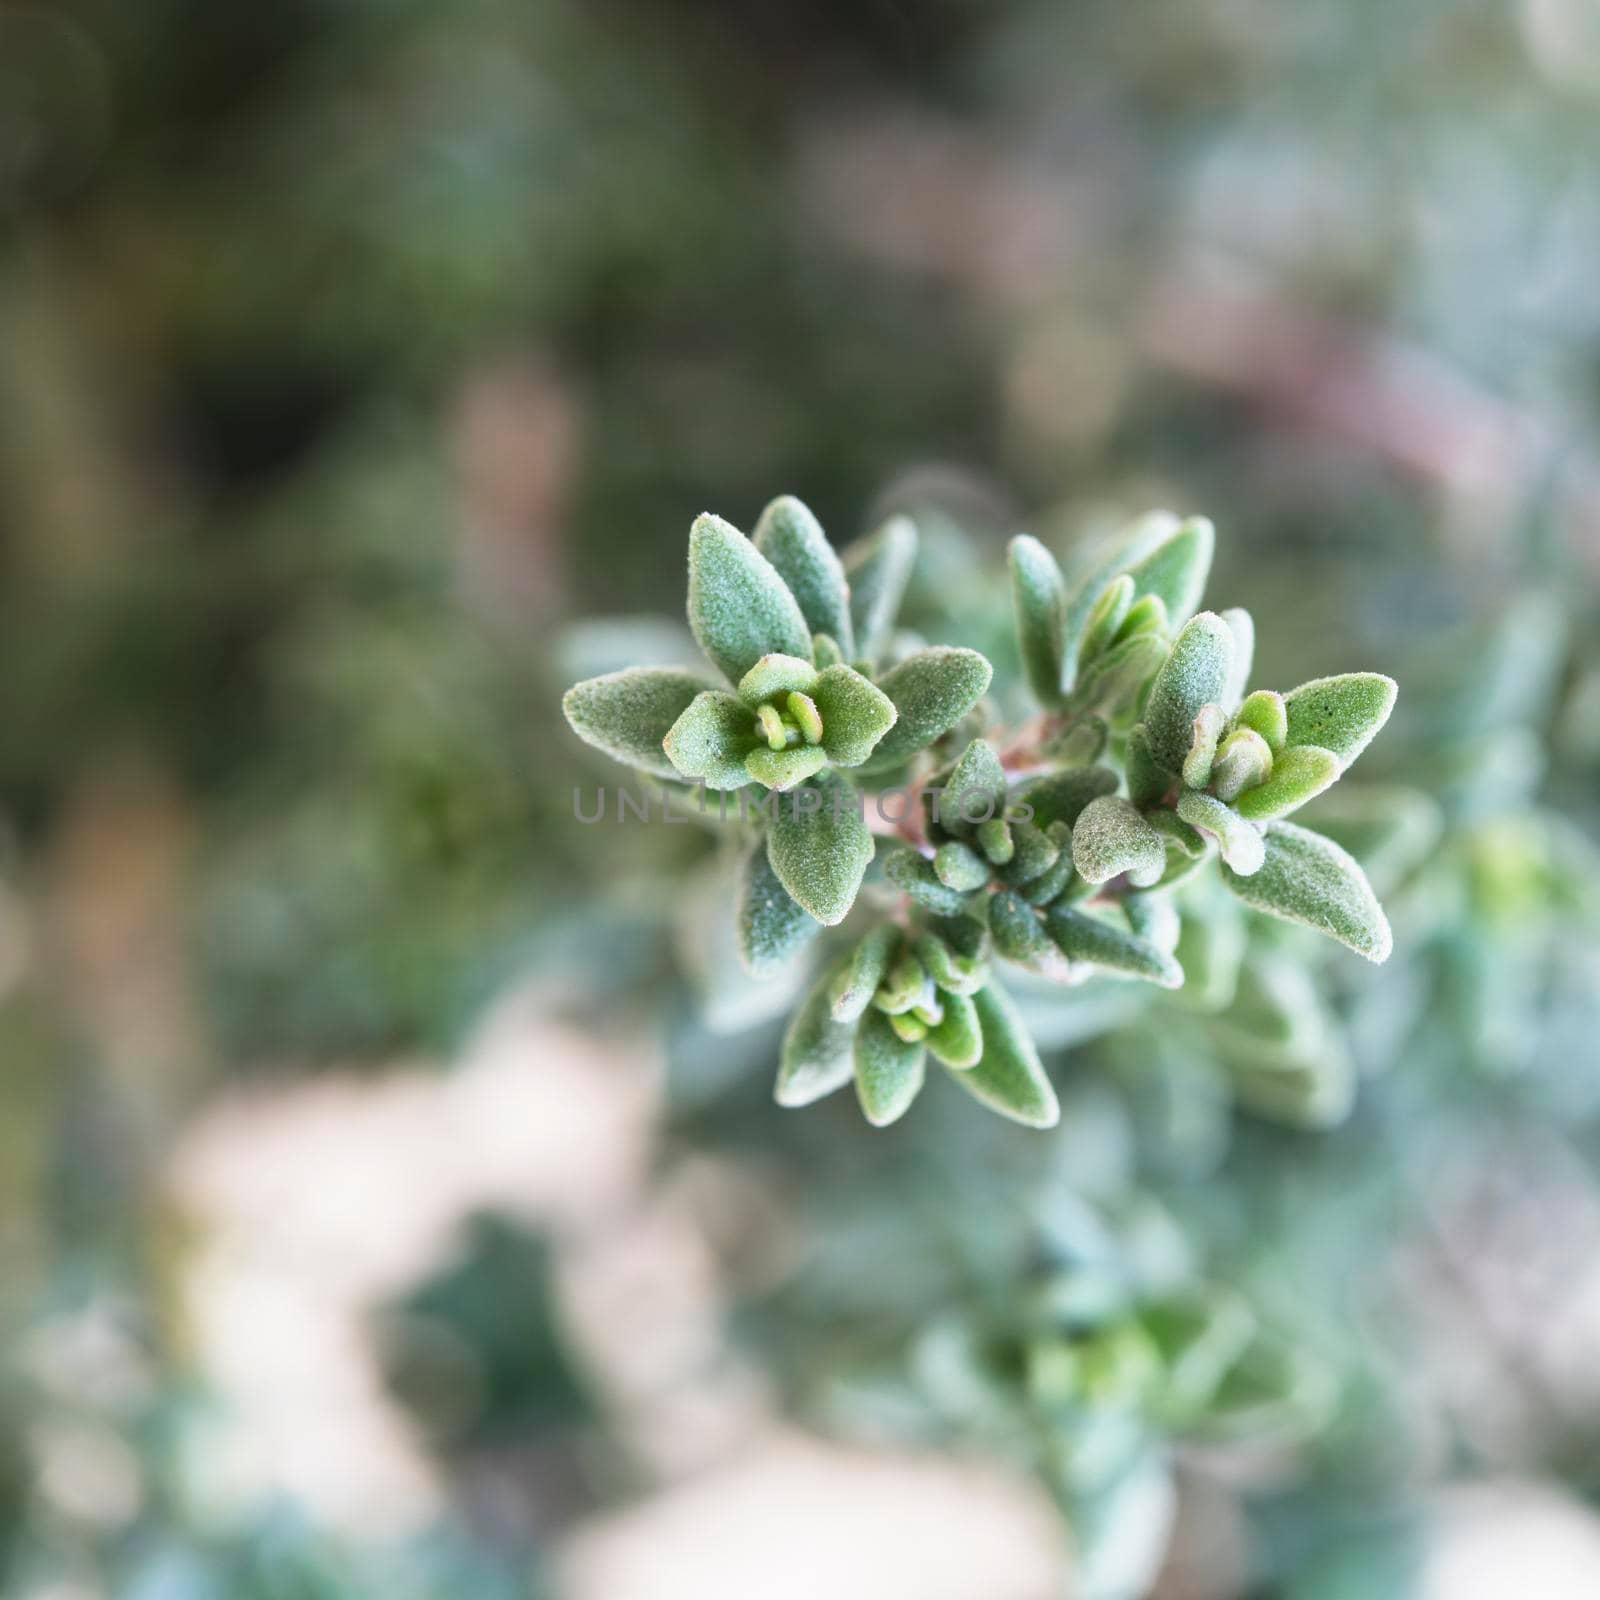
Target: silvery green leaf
<point x="818" y="1054"/>
<point x="1079" y="744"/>
<point x="1265" y="711"/>
<point x="951" y="969"/>
<point x="1177" y="570"/>
<point x="1126" y="549"/>
<point x="773" y="676"/>
<point x="1148" y="780"/>
<point x="1082" y="936"/>
<point x="907" y="870"/>
<point x="1055" y="880"/>
<point x="959" y="866"/>
<point x="1195" y="674"/>
<point x="1242" y="625"/>
<point x="1308" y="879"/>
<point x="1062" y="796"/>
<point x="1113" y="680"/>
<point x="931" y="691"/>
<point x="975" y="787"/>
<point x="888" y="1069"/>
<point x="784" y="770"/>
<point x="710" y="741"/>
<point x="1208" y="726"/>
<point x="1154" y="918"/>
<point x="1106" y="617"/>
<point x="878" y="569"/>
<point x="1020" y="936"/>
<point x="1239" y="841"/>
<point x="1341" y="714"/>
<point x="772" y="927"/>
<point x="1146" y="615"/>
<point x="1302" y="772"/>
<point x="628" y="714"/>
<point x="857" y="979"/>
<point x="825" y="651"/>
<point x="1178" y="834"/>
<point x="1112" y="837"/>
<point x="1039" y="598"/>
<point x="791" y="538"/>
<point x="1033" y="852"/>
<point x="819" y="846"/>
<point x="855" y="715"/>
<point x="957" y="1038"/>
<point x="1009" y="1078"/>
<point x="739" y="608"/>
<point x="1242" y="762"/>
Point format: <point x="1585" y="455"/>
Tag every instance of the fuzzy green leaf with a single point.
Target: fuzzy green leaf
<point x="954" y="971"/>
<point x="1265" y="711"/>
<point x="1176" y="571"/>
<point x="959" y="866"/>
<point x="974" y="787"/>
<point x="1062" y="796"/>
<point x="1009" y="1078"/>
<point x="819" y="846"/>
<point x="818" y="1054"/>
<point x="1178" y="834"/>
<point x="907" y="870"/>
<point x="1082" y="937"/>
<point x="791" y="538"/>
<point x="957" y="1038"/>
<point x="1039" y="598"/>
<point x="857" y="980"/>
<point x="889" y="1070"/>
<point x="1208" y="726"/>
<point x="784" y="770"/>
<point x="1242" y="762"/>
<point x="773" y="676"/>
<point x="932" y="691"/>
<point x="1239" y="841"/>
<point x="825" y="651"/>
<point x="1308" y="879"/>
<point x="1033" y="852"/>
<point x="771" y="926"/>
<point x="1147" y="615"/>
<point x="739" y="608"/>
<point x="855" y="715"/>
<point x="1195" y="673"/>
<point x="1243" y="628"/>
<point x="628" y="714"/>
<point x="1148" y="780"/>
<point x="1106" y="617"/>
<point x="1114" y="680"/>
<point x="1020" y="936"/>
<point x="878" y="569"/>
<point x="1341" y="714"/>
<point x="1127" y="549"/>
<point x="1300" y="773"/>
<point x="710" y="741"/>
<point x="1112" y="837"/>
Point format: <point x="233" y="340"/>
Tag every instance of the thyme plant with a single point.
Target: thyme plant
<point x="878" y="784"/>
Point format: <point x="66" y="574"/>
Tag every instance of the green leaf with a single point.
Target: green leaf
<point x="857" y="980"/>
<point x="784" y="770"/>
<point x="818" y="1054"/>
<point x="952" y="970"/>
<point x="878" y="569"/>
<point x="1106" y="617"/>
<point x="907" y="870"/>
<point x="932" y="691"/>
<point x="855" y="715"/>
<point x="1112" y="837"/>
<point x="1308" y="879"/>
<point x="1020" y="936"/>
<point x="628" y="714"/>
<point x="1062" y="796"/>
<point x="710" y="741"/>
<point x="1009" y="1078"/>
<point x="1082" y="937"/>
<point x="1148" y="780"/>
<point x="1178" y="834"/>
<point x="1243" y="761"/>
<point x="1195" y="673"/>
<point x="775" y="675"/>
<point x="771" y="926"/>
<point x="1126" y="549"/>
<point x="1265" y="711"/>
<point x="975" y="786"/>
<point x="1114" y="680"/>
<point x="1177" y="570"/>
<point x="1148" y="615"/>
<point x="825" y="651"/>
<point x="739" y="608"/>
<point x="1039" y="598"/>
<point x="1341" y="714"/>
<point x="1208" y="726"/>
<point x="1239" y="841"/>
<point x="957" y="1038"/>
<point x="1300" y="773"/>
<point x="889" y="1070"/>
<point x="819" y="846"/>
<point x="1242" y="625"/>
<point x="791" y="538"/>
<point x="1033" y="852"/>
<point x="959" y="866"/>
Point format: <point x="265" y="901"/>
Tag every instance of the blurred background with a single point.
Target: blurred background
<point x="389" y="1203"/>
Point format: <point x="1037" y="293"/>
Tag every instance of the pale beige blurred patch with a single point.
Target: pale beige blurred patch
<point x="1517" y="1538"/>
<point x="791" y="1518"/>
